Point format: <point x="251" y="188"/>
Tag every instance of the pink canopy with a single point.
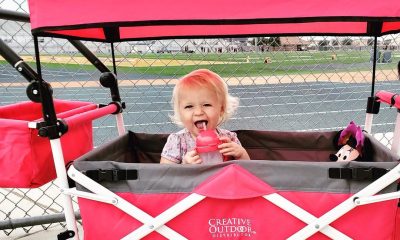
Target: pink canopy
<point x="121" y="20"/>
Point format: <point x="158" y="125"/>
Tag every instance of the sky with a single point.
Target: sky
<point x="15" y="5"/>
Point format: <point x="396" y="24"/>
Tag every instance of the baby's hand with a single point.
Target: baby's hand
<point x="229" y="148"/>
<point x="191" y="158"/>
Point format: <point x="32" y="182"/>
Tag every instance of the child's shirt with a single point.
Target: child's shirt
<point x="179" y="143"/>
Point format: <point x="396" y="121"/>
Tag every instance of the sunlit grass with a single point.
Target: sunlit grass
<point x="242" y="63"/>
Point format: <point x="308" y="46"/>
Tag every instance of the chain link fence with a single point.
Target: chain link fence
<point x="284" y="84"/>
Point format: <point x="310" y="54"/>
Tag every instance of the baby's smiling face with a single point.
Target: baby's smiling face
<point x="199" y="108"/>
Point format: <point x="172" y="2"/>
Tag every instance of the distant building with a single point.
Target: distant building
<point x="293" y="44"/>
<point x="193" y="46"/>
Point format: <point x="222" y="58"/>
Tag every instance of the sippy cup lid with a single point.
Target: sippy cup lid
<point x="207" y="141"/>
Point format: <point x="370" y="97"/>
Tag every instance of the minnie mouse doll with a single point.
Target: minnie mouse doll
<point x="352" y="145"/>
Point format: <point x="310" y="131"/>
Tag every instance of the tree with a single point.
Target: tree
<point x="323" y="43"/>
<point x="274" y="41"/>
<point x="347" y="42"/>
<point x="335" y="42"/>
<point x="262" y="41"/>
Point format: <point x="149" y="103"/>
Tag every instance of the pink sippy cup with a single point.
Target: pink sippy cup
<point x="207" y="147"/>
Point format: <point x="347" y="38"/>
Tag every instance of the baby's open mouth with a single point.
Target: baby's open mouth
<point x="201" y="124"/>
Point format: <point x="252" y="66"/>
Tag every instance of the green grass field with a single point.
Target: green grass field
<point x="246" y="64"/>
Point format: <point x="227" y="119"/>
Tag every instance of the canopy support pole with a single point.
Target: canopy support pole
<point x="53" y="130"/>
<point x="113" y="59"/>
<point x="89" y="55"/>
<point x="37" y="56"/>
<point x="374" y="66"/>
<point x="116" y="97"/>
<point x="45" y="93"/>
<point x="17" y="62"/>
<point x="372" y="104"/>
<point x="14" y="15"/>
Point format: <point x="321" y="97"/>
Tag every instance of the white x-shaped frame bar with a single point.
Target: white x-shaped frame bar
<point x="352" y="202"/>
<point x="194" y="198"/>
<point x="119" y="202"/>
<point x="303" y="215"/>
<point x="315" y="225"/>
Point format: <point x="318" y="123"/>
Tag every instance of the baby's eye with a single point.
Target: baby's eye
<point x="207" y="105"/>
<point x="188" y="106"/>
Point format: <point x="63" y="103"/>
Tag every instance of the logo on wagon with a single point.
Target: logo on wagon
<point x="230" y="227"/>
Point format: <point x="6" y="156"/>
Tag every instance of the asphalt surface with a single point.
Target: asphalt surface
<point x="8" y="74"/>
<point x="282" y="107"/>
<point x="319" y="106"/>
<point x="309" y="106"/>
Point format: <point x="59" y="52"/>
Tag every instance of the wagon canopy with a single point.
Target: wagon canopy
<point x="121" y="20"/>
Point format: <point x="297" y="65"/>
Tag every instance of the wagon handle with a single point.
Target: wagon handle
<point x="389" y="98"/>
<point x="392" y="99"/>
<point x="91" y="115"/>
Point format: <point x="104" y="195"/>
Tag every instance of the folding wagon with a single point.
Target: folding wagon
<point x="290" y="189"/>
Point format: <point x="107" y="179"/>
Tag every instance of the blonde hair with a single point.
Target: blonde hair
<point x="204" y="78"/>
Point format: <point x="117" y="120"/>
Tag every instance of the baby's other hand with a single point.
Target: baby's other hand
<point x="229" y="148"/>
<point x="191" y="157"/>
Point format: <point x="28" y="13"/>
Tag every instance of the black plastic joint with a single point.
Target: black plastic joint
<point x="66" y="235"/>
<point x="52" y="132"/>
<point x="120" y="107"/>
<point x="49" y="131"/>
<point x="109" y="80"/>
<point x="40" y="125"/>
<point x="373" y="105"/>
<point x="33" y="92"/>
<point x="393" y="99"/>
<point x="62" y="126"/>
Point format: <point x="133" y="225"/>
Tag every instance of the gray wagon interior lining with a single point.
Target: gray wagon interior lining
<point x="292" y="161"/>
<point x="261" y="145"/>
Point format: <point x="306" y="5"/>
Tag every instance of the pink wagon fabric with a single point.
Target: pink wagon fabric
<point x="231" y="211"/>
<point x="292" y="164"/>
<point x="122" y="20"/>
<point x="26" y="160"/>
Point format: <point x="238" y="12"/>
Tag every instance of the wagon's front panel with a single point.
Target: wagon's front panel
<point x="237" y="200"/>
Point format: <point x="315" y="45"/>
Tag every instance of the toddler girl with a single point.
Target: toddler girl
<point x="201" y="100"/>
